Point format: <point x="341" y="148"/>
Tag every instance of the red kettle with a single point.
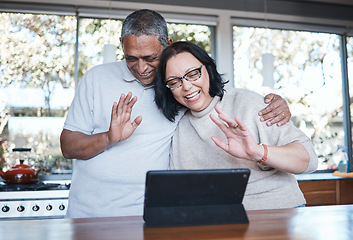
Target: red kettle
<point x="20" y="173"/>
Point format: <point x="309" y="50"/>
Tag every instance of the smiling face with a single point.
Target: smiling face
<point x="193" y="95"/>
<point x="142" y="55"/>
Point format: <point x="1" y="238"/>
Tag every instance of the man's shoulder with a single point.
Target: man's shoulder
<point x="111" y="66"/>
<point x="108" y="71"/>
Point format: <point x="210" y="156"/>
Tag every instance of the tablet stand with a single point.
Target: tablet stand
<point x="194" y="215"/>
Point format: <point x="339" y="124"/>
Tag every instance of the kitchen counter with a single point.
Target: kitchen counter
<point x="324" y="222"/>
<point x="318" y="177"/>
<point x="326" y="189"/>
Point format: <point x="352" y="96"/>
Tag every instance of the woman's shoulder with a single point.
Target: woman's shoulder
<point x="244" y="95"/>
<point x="242" y="102"/>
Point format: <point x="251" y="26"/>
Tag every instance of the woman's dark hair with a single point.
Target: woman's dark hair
<point x="163" y="95"/>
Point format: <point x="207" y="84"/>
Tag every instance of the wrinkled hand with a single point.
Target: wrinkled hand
<point x="241" y="143"/>
<point x="276" y="112"/>
<point x="121" y="126"/>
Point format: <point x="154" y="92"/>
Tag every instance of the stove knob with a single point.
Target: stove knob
<point x="35" y="208"/>
<point x="62" y="207"/>
<point x="5" y="208"/>
<point x="20" y="208"/>
<point x="49" y="207"/>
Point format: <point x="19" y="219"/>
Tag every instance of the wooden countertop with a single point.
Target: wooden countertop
<point x="309" y="223"/>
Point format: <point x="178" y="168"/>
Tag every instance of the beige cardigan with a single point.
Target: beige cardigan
<point x="268" y="188"/>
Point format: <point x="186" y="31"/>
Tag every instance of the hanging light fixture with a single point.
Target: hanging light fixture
<point x="267" y="58"/>
<point x="109" y="53"/>
<point x="268" y="69"/>
<point x="109" y="49"/>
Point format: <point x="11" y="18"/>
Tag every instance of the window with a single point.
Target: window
<point x="307" y="73"/>
<point x="198" y="34"/>
<point x="94" y="32"/>
<point x="92" y="37"/>
<point x="37" y="72"/>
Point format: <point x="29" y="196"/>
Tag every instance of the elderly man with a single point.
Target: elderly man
<point x="114" y="153"/>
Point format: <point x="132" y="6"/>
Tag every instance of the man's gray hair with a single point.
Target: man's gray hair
<point x="145" y="22"/>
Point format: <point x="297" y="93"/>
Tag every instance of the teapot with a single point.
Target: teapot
<point x="20" y="173"/>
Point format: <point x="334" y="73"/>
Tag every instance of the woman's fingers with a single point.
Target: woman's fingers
<point x="220" y="143"/>
<point x="232" y="123"/>
<point x="219" y="123"/>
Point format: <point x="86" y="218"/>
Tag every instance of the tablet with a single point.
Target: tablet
<point x="195" y="197"/>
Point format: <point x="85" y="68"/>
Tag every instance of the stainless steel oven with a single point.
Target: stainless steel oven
<point x="45" y="199"/>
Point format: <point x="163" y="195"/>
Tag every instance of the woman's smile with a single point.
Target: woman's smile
<point x="193" y="96"/>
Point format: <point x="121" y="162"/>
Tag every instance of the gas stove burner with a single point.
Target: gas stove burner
<point x="33" y="187"/>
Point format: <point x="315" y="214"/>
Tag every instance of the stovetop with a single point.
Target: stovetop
<point x="39" y="186"/>
<point x="44" y="199"/>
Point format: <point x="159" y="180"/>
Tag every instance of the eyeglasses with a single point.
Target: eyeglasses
<point x="190" y="76"/>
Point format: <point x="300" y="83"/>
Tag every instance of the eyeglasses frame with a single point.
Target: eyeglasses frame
<point x="184" y="77"/>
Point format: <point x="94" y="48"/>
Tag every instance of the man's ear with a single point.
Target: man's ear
<point x="121" y="43"/>
<point x="170" y="41"/>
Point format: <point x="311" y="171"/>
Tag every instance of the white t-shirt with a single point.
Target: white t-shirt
<point x="113" y="182"/>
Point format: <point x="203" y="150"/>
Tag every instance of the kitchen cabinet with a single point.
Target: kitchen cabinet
<point x="327" y="191"/>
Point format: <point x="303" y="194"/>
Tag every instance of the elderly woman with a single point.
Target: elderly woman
<point x="221" y="129"/>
